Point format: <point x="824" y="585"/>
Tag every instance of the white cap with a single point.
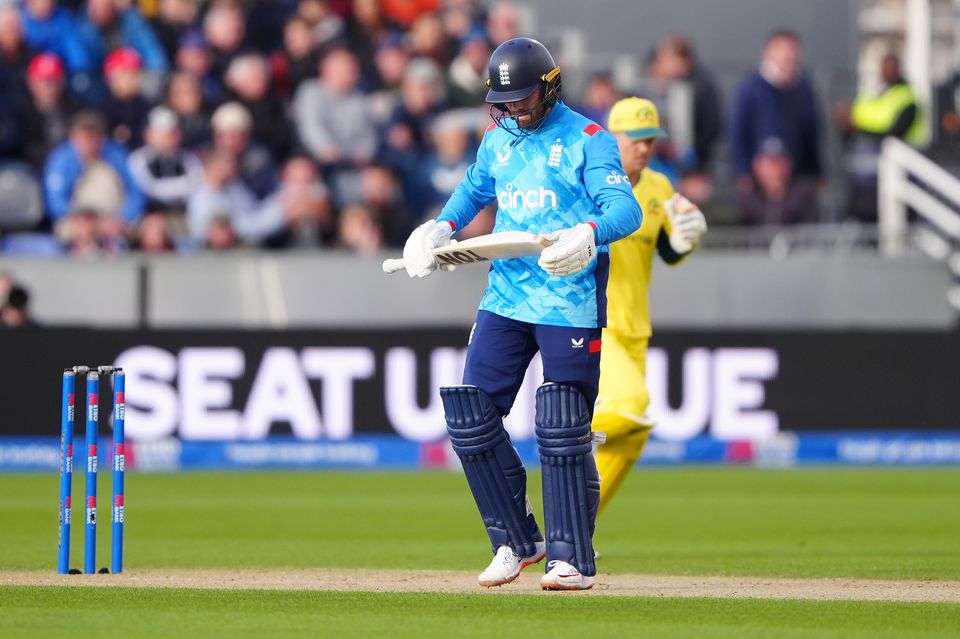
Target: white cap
<point x="163" y="118"/>
<point x="423" y="71"/>
<point x="231" y="116"/>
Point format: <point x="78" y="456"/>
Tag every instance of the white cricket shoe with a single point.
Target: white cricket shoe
<point x="506" y="565"/>
<point x="563" y="576"/>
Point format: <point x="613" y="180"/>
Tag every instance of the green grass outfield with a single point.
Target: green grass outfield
<point x="876" y="523"/>
<point x="123" y="614"/>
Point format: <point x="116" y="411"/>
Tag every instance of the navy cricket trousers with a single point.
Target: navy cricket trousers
<point x="500" y="350"/>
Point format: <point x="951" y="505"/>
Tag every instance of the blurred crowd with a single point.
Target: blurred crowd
<point x="178" y="125"/>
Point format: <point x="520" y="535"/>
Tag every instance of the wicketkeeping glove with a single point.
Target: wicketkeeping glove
<point x="572" y="250"/>
<point x="688" y="224"/>
<point x="418" y="257"/>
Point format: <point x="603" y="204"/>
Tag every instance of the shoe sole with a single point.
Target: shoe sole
<point x="547" y="584"/>
<point x="502" y="582"/>
<point x="556" y="586"/>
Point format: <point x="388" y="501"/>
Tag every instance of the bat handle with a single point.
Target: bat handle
<point x="392" y="266"/>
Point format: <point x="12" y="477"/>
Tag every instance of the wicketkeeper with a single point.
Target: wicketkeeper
<point x="672" y="227"/>
<point x="551" y="171"/>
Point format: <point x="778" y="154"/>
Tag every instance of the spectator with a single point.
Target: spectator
<point x="223" y="211"/>
<point x="426" y="39"/>
<point x="6" y="283"/>
<point x="366" y="33"/>
<point x="467" y="75"/>
<point x="676" y="61"/>
<point x="156" y="233"/>
<point x="381" y="194"/>
<point x="225" y="32"/>
<point x="163" y="170"/>
<point x="459" y="19"/>
<point x="173" y="20"/>
<point x="45" y="115"/>
<point x="421" y="101"/>
<point x="265" y="21"/>
<point x="445" y="164"/>
<point x="299" y="59"/>
<point x="503" y="22"/>
<point x="232" y="128"/>
<point x="326" y="27"/>
<point x="15" y="54"/>
<point x="10" y="134"/>
<point x="776" y="101"/>
<point x="87" y="231"/>
<point x="195" y="57"/>
<point x="948" y="109"/>
<point x="248" y="82"/>
<point x="775" y="196"/>
<point x="104" y="27"/>
<point x="405" y="140"/>
<point x="391" y="61"/>
<point x="53" y="29"/>
<point x="125" y="109"/>
<point x="666" y="156"/>
<point x="14" y="312"/>
<point x="872" y="118"/>
<point x="359" y="230"/>
<point x="89" y="173"/>
<point x="334" y="122"/>
<point x="482" y="224"/>
<point x="299" y="211"/>
<point x="599" y="96"/>
<point x="185" y="98"/>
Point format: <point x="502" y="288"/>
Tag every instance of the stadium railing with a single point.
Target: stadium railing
<point x="919" y="205"/>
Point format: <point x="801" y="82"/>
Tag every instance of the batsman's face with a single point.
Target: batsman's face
<point x="526" y="112"/>
<point x="635" y="153"/>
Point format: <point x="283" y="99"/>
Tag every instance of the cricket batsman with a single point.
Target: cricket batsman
<point x="551" y="171"/>
<point x="673" y="227"/>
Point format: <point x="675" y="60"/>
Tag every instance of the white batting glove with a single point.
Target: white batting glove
<point x="418" y="257"/>
<point x="688" y="224"/>
<point x="572" y="251"/>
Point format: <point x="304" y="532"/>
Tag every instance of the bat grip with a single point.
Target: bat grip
<point x="392" y="266"/>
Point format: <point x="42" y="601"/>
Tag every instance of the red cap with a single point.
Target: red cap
<point x="122" y="60"/>
<point x="45" y="66"/>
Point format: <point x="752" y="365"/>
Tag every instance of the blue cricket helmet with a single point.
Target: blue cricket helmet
<point x="517" y="68"/>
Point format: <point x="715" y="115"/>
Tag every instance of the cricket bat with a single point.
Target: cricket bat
<point x="483" y="248"/>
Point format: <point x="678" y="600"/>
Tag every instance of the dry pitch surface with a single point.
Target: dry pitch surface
<point x="440" y="581"/>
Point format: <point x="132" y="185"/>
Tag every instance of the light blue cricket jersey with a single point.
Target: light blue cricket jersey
<point x="565" y="173"/>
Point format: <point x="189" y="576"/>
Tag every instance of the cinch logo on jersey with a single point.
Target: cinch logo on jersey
<point x="512" y="199"/>
<point x="617" y="178"/>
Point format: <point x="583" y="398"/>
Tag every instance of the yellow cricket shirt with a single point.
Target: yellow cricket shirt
<point x="631" y="259"/>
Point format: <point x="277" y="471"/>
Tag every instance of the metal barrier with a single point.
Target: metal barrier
<point x="910" y="180"/>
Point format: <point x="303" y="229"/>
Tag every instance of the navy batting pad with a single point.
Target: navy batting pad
<point x="571" y="484"/>
<point x="492" y="466"/>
